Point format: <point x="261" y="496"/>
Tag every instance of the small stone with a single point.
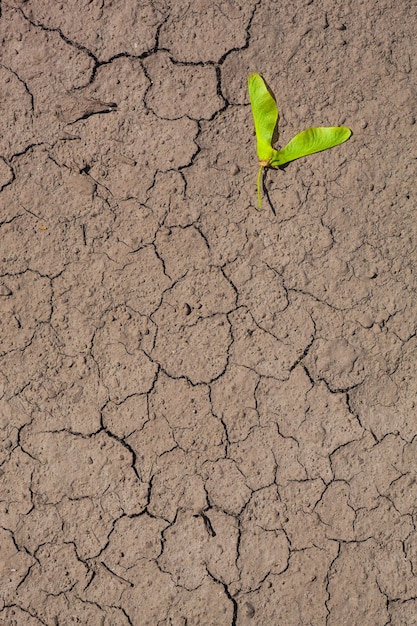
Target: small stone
<point x="4" y="290"/>
<point x="250" y="609"/>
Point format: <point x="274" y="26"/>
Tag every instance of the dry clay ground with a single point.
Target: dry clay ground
<point x="208" y="413"/>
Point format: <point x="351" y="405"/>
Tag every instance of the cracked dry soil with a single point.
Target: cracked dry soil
<point x="208" y="413"/>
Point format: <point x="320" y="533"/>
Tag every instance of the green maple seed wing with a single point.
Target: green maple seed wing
<point x="310" y="141"/>
<point x="265" y="116"/>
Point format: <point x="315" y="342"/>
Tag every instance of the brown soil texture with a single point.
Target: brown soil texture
<point x="208" y="412"/>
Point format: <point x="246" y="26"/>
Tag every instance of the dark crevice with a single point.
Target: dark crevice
<point x="247" y="39"/>
<point x="327" y="585"/>
<point x="12" y="219"/>
<point x="29" y="148"/>
<point x="193" y="157"/>
<point x="127" y="616"/>
<point x="66" y="39"/>
<point x="228" y="595"/>
<point x="32" y="106"/>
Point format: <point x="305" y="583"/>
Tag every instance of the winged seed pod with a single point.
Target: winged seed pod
<point x="265" y="116"/>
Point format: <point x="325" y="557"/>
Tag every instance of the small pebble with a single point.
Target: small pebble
<point x="250" y="609"/>
<point x="4" y="290"/>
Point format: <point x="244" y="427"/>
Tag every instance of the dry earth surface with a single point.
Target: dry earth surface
<point x="208" y="413"/>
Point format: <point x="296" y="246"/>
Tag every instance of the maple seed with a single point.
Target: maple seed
<point x="265" y="117"/>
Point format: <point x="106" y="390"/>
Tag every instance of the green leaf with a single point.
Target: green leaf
<point x="265" y="117"/>
<point x="310" y="141"/>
